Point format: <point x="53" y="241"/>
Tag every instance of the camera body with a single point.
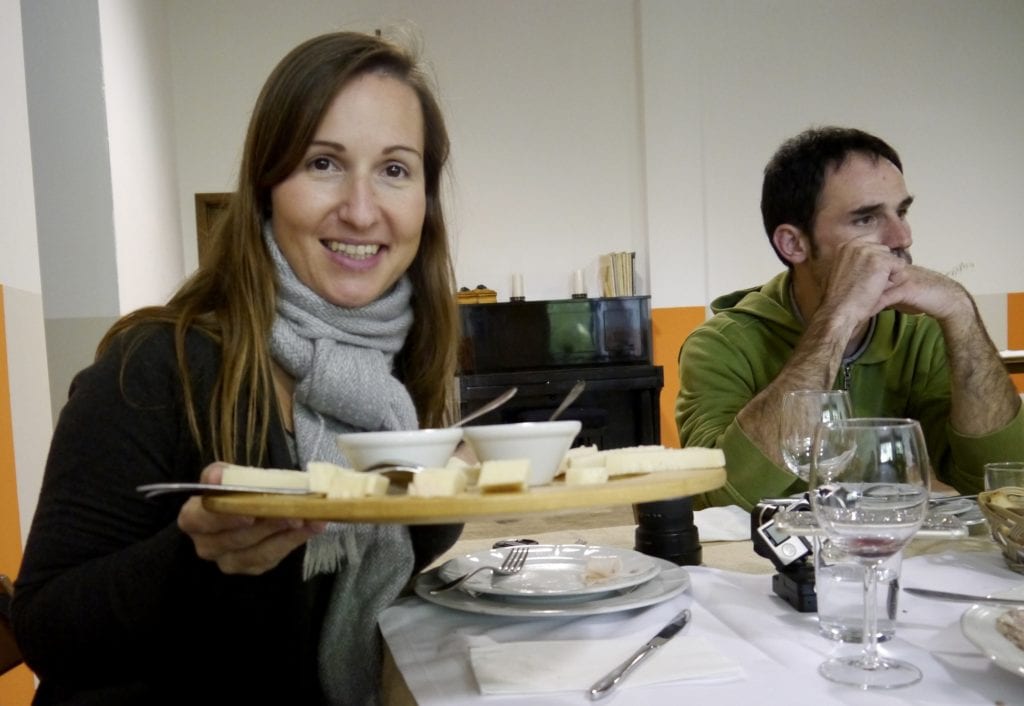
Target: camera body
<point x="789" y="553"/>
<point x="770" y="541"/>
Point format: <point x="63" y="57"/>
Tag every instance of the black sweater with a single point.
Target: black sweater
<point x="112" y="604"/>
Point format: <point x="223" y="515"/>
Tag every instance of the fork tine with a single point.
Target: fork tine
<point x="516" y="559"/>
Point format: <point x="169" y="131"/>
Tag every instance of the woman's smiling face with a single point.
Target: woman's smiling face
<point x="349" y="217"/>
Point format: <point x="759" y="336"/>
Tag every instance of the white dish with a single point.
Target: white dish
<point x="670" y="581"/>
<point x="430" y="448"/>
<point x="555" y="570"/>
<point x="544" y="444"/>
<point x="952" y="507"/>
<point x="978" y="625"/>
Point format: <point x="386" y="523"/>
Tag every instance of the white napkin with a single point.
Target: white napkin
<point x="575" y="665"/>
<point x="722" y="524"/>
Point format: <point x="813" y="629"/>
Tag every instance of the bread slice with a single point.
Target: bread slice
<point x="271" y="478"/>
<point x="691" y="458"/>
<point x="600" y="458"/>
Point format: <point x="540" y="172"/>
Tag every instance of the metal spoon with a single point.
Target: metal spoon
<point x="489" y="407"/>
<point x="575" y="392"/>
<point x="397" y="473"/>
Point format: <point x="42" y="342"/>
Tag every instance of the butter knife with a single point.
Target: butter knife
<point x="962" y="597"/>
<point x="610" y="681"/>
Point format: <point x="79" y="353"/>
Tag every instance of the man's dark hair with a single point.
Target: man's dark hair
<point x="795" y="175"/>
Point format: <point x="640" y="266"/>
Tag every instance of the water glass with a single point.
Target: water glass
<point x="839" y="585"/>
<point x="869" y="493"/>
<point x="1003" y="474"/>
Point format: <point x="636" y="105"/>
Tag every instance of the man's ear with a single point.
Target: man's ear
<point x="792" y="243"/>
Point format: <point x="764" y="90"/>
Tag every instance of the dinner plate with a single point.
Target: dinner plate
<point x="978" y="625"/>
<point x="670" y="581"/>
<point x="556" y="570"/>
<point x="966" y="510"/>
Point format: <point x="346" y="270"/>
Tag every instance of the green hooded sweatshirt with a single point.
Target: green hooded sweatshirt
<point x="901" y="372"/>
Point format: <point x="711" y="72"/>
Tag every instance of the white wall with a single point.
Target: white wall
<point x="70" y="158"/>
<point x="541" y="102"/>
<point x="942" y="80"/>
<point x="22" y="316"/>
<point x="106" y="186"/>
<point x="19" y="263"/>
<point x="585" y="126"/>
<point x="143" y="175"/>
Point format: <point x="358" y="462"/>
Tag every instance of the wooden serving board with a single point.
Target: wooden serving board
<point x="411" y="510"/>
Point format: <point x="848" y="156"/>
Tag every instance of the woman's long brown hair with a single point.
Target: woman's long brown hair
<point x="231" y="297"/>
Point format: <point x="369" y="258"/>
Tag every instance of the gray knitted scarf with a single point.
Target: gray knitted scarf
<point x="341" y="360"/>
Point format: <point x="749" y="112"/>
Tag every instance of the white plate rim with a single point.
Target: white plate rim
<point x="644" y="565"/>
<point x="978" y="624"/>
<point x="670" y="581"/>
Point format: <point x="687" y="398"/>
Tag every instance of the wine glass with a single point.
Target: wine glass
<point x="802" y="412"/>
<point x="869" y="493"/>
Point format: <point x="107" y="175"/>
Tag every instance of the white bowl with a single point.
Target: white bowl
<point x="430" y="448"/>
<point x="543" y="443"/>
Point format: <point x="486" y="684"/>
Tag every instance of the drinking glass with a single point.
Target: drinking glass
<point x="1004" y="473"/>
<point x="869" y="493"/>
<point x="802" y="412"/>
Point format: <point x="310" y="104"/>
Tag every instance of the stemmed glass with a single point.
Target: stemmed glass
<point x="869" y="493"/>
<point x="802" y="412"/>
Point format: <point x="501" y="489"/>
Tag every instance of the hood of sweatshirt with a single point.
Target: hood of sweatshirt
<point x="772" y="305"/>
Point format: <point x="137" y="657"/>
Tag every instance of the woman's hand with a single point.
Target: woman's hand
<point x="241" y="545"/>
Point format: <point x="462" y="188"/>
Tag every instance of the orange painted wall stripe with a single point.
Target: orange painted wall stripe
<point x="18" y="685"/>
<point x="1015" y="329"/>
<point x="10" y="523"/>
<point x="670" y="327"/>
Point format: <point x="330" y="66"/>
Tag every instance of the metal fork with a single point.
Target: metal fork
<point x="514" y="562"/>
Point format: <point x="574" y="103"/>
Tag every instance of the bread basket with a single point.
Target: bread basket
<point x="1004" y="510"/>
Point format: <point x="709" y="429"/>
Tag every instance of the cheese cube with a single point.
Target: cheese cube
<point x="471" y="470"/>
<point x="586" y="475"/>
<point x="504" y="476"/>
<point x="320" y="475"/>
<point x="575" y="454"/>
<point x="347" y="484"/>
<point x="433" y="482"/>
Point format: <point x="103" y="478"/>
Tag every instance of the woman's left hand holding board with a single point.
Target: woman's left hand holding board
<point x="239" y="544"/>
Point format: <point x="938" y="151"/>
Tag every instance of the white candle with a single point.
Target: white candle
<point x="517" y="285"/>
<point x="577" y="283"/>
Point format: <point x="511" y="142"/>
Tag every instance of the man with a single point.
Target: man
<point x="850" y="312"/>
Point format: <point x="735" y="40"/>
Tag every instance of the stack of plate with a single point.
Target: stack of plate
<point x="557" y="580"/>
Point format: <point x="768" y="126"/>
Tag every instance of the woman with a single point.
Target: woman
<point x="326" y="305"/>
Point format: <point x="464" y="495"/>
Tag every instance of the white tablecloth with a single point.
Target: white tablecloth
<point x="778" y="647"/>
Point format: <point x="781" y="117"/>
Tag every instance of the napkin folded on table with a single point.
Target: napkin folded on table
<point x="722" y="524"/>
<point x="575" y="665"/>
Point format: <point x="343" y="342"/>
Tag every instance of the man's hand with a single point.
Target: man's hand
<point x="857" y="284"/>
<point x="915" y="290"/>
<point x="238" y="544"/>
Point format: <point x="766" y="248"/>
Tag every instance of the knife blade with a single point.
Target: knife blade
<point x="610" y="681"/>
<point x="962" y="597"/>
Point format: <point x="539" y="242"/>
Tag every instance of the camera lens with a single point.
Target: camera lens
<point x="665" y="529"/>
